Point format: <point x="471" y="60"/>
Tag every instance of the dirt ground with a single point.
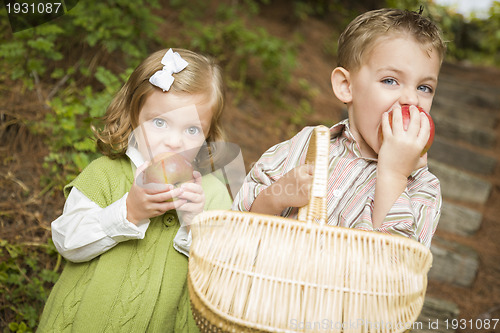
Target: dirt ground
<point x="27" y="209"/>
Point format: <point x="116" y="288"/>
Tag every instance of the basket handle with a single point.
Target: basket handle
<point x="317" y="154"/>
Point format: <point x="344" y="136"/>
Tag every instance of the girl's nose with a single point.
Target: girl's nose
<point x="173" y="141"/>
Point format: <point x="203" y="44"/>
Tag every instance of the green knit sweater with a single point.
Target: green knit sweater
<point x="138" y="285"/>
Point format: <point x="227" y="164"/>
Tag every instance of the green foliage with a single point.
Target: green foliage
<point x="70" y="120"/>
<point x="93" y="26"/>
<point x="241" y="49"/>
<point x="76" y="54"/>
<point x="25" y="283"/>
<point x="490" y="41"/>
<point x="303" y="9"/>
<point x="115" y="25"/>
<point x="471" y="39"/>
<point x="30" y="51"/>
<point x="304" y="108"/>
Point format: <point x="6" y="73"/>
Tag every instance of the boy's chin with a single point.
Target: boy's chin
<point x="371" y="148"/>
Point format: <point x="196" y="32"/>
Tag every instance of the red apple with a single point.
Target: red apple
<point x="405" y="110"/>
<point x="168" y="168"/>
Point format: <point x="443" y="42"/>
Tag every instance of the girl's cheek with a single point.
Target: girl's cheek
<point x="196" y="141"/>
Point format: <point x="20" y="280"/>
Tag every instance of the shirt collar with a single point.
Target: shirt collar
<point x="135" y="156"/>
<point x="342" y="129"/>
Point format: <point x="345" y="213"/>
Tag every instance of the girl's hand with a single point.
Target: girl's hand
<point x="150" y="200"/>
<point x="400" y="152"/>
<point x="191" y="200"/>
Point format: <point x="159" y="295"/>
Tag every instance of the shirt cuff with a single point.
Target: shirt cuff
<point x="400" y="220"/>
<point x="182" y="241"/>
<point x="115" y="224"/>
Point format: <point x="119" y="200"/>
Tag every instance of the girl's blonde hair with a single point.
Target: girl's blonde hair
<point x="202" y="76"/>
<point x="360" y="35"/>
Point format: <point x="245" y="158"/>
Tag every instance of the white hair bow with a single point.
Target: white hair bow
<point x="172" y="63"/>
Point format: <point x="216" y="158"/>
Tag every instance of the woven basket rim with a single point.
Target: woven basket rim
<point x="315" y="227"/>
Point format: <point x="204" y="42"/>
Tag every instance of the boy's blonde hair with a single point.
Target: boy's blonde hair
<point x="360" y="35"/>
<point x="202" y="76"/>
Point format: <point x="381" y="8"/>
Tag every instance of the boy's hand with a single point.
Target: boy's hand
<point x="192" y="200"/>
<point x="295" y="186"/>
<point x="150" y="200"/>
<point x="291" y="190"/>
<point x="398" y="156"/>
<point x="400" y="151"/>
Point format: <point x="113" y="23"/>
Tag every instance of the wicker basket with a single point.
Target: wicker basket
<point x="251" y="272"/>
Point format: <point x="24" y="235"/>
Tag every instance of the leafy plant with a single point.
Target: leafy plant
<point x="241" y="49"/>
<point x="73" y="112"/>
<point x="304" y="108"/>
<point x="25" y="283"/>
<point x="303" y="9"/>
<point x="71" y="63"/>
<point x="473" y="39"/>
<point x="490" y="42"/>
<point x="28" y="53"/>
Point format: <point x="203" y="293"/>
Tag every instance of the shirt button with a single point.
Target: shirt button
<point x="337" y="193"/>
<point x="169" y="220"/>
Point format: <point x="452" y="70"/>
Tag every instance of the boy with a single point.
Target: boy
<point x="386" y="58"/>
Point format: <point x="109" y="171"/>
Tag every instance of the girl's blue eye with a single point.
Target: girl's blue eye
<point x="160" y="123"/>
<point x="193" y="130"/>
<point x="425" y="89"/>
<point x="389" y="81"/>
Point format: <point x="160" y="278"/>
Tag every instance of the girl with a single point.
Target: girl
<point x="123" y="273"/>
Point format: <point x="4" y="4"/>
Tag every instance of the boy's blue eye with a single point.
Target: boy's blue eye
<point x="425" y="89"/>
<point x="160" y="123"/>
<point x="389" y="81"/>
<point x="193" y="130"/>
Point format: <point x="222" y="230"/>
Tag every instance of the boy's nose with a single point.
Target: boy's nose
<point x="409" y="96"/>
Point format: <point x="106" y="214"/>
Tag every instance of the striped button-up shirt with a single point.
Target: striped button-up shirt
<point x="351" y="187"/>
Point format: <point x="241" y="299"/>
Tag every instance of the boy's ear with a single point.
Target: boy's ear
<point x="341" y="84"/>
